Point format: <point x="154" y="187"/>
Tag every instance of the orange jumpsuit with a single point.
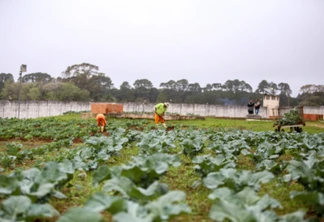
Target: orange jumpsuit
<point x="101" y="120"/>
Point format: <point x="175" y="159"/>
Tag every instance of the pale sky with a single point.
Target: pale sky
<point x="204" y="41"/>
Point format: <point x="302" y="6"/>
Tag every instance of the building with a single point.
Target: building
<point x="271" y="103"/>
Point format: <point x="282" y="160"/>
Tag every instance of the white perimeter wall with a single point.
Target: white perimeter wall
<point x="197" y="109"/>
<point x="34" y="109"/>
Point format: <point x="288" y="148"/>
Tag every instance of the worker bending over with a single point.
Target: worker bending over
<point x="101" y="120"/>
<point x="159" y="111"/>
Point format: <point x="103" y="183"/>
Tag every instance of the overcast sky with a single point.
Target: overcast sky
<point x="204" y="41"/>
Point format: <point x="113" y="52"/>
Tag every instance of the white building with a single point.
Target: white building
<point x="271" y="103"/>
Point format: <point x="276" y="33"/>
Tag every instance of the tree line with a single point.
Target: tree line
<point x="84" y="82"/>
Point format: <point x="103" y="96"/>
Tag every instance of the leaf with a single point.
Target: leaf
<point x="208" y="164"/>
<point x="41" y="210"/>
<point x="52" y="173"/>
<point x="213" y="180"/>
<point x="316" y="199"/>
<point x="8" y="184"/>
<point x="80" y="215"/>
<point x="100" y="201"/>
<point x="245" y="152"/>
<point x="102" y="173"/>
<point x="42" y="190"/>
<point x="129" y="190"/>
<point x="246" y="203"/>
<point x="270" y="165"/>
<point x="236" y="180"/>
<point x="166" y="206"/>
<point x="16" y="205"/>
<point x="126" y="217"/>
<point x="266" y="201"/>
<point x="58" y="194"/>
<point x="144" y="170"/>
<point x="297" y="216"/>
<point x="226" y="210"/>
<point x="249" y="197"/>
<point x="260" y="177"/>
<point x="66" y="166"/>
<point x="221" y="193"/>
<point x="121" y="184"/>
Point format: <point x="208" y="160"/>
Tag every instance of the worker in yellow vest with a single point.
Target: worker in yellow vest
<point x="159" y="111"/>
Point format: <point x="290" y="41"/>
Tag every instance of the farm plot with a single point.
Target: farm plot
<point x="64" y="170"/>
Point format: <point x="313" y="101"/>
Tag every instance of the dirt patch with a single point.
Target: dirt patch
<point x="169" y="128"/>
<point x="77" y="140"/>
<point x="135" y="128"/>
<point x="105" y="133"/>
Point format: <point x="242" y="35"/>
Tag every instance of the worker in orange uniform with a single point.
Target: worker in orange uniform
<point x="159" y="111"/>
<point x="101" y="120"/>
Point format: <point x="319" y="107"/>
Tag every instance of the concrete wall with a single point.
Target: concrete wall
<point x="34" y="109"/>
<point x="197" y="109"/>
<point x="314" y="110"/>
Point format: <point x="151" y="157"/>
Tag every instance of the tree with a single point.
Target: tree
<point x="143" y="83"/>
<point x="194" y="87"/>
<point x="125" y="85"/>
<point x="273" y="88"/>
<point x="263" y="87"/>
<point x="284" y="89"/>
<point x="312" y="95"/>
<point x="86" y="69"/>
<point x="169" y="85"/>
<point x="217" y="86"/>
<point x="144" y="91"/>
<point x="29" y="91"/>
<point x="87" y="76"/>
<point x="60" y="91"/>
<point x="236" y="86"/>
<point x="100" y="87"/>
<point x="309" y="88"/>
<point x="243" y="86"/>
<point x="229" y="85"/>
<point x="182" y="85"/>
<point x="10" y="90"/>
<point x="125" y="94"/>
<point x="37" y="77"/>
<point x="4" y="77"/>
<point x="35" y="93"/>
<point x="208" y="87"/>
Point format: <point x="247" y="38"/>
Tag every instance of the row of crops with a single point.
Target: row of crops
<point x="134" y="191"/>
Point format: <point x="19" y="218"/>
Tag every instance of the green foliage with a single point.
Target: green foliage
<point x="134" y="187"/>
<point x="314" y="198"/>
<point x="155" y="141"/>
<point x="18" y="208"/>
<point x="79" y="214"/>
<point x="7" y="161"/>
<point x="206" y="164"/>
<point x="13" y="148"/>
<point x="245" y="205"/>
<point x="290" y="118"/>
<point x="237" y="180"/>
<point x="162" y="208"/>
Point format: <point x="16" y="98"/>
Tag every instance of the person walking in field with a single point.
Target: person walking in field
<point x="159" y="111"/>
<point x="257" y="107"/>
<point x="101" y="120"/>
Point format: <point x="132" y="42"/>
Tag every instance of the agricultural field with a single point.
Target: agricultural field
<point x="63" y="169"/>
